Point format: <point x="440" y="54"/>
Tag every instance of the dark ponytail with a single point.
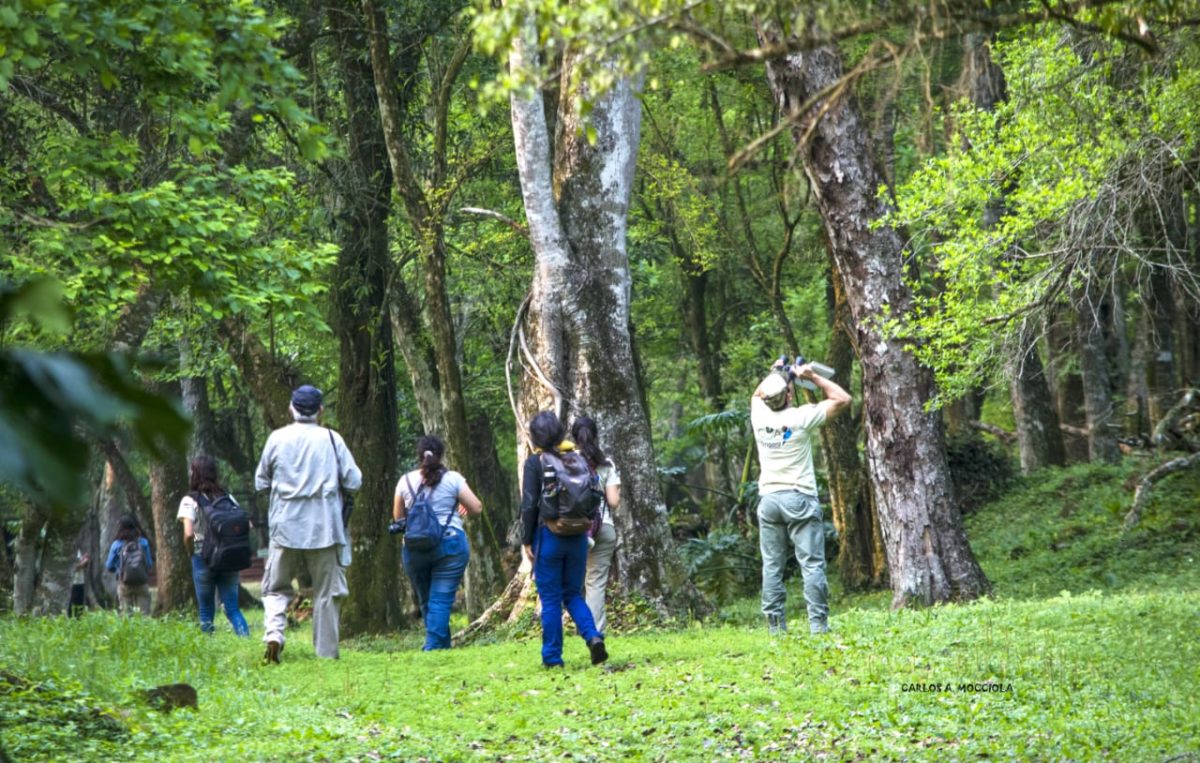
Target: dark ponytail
<point x="585" y="436"/>
<point x="429" y="457"/>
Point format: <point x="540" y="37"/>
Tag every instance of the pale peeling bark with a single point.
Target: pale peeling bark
<point x="929" y="558"/>
<point x="579" y="307"/>
<point x="531" y="139"/>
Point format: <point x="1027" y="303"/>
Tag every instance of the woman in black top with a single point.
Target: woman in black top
<point x="559" y="561"/>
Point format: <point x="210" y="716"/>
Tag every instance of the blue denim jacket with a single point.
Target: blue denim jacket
<point x="114" y="554"/>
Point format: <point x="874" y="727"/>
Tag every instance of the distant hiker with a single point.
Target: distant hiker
<point x="307" y="468"/>
<point x="130" y="560"/>
<point x="77" y="604"/>
<point x="209" y="501"/>
<point x="558" y="503"/>
<point x="429" y="507"/>
<point x="600" y="556"/>
<point x="787" y="486"/>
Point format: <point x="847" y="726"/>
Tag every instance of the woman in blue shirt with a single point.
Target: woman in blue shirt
<point x="436" y="573"/>
<point x="130" y="560"/>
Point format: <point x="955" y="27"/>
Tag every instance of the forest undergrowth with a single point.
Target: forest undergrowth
<point x="1087" y="650"/>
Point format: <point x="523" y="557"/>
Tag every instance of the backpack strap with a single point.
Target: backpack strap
<point x="408" y="481"/>
<point x="413" y="493"/>
<point x="336" y="458"/>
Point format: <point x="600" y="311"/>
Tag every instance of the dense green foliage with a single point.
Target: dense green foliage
<point x="1023" y="214"/>
<point x="1055" y="642"/>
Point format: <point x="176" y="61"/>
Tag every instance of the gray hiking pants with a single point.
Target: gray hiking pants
<point x="599" y="564"/>
<point x="796" y="516"/>
<point x="329" y="588"/>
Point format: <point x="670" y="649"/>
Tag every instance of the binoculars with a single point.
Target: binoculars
<point x="791" y="366"/>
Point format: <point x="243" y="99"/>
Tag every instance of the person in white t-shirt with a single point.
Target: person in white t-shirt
<point x="585" y="435"/>
<point x="787" y="485"/>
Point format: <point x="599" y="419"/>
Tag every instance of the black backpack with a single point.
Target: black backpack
<point x="570" y="493"/>
<point x="134" y="569"/>
<point x="226" y="545"/>
<point x="423" y="531"/>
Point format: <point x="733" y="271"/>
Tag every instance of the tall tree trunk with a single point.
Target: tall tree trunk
<point x="419" y="360"/>
<point x="1137" y="386"/>
<point x="494" y="486"/>
<point x="1162" y="379"/>
<point x="366" y="410"/>
<point x="861" y="561"/>
<point x="1067" y="385"/>
<point x="1094" y="368"/>
<point x="1162" y="369"/>
<point x="27" y="559"/>
<point x="1039" y="437"/>
<point x="172" y="565"/>
<point x="579" y="307"/>
<point x="484" y="576"/>
<point x="929" y="558"/>
<point x="700" y="338"/>
<point x="194" y="392"/>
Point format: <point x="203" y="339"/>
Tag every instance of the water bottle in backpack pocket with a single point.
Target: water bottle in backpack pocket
<point x="135" y="568"/>
<point x="571" y="494"/>
<point x="226" y="546"/>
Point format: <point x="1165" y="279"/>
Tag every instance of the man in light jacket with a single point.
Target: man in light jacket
<point x="305" y="466"/>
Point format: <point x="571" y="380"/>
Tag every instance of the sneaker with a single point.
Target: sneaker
<point x="599" y="653"/>
<point x="272" y="655"/>
<point x="551" y="665"/>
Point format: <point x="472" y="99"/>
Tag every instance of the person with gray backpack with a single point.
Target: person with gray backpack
<point x="430" y="504"/>
<point x="560" y="499"/>
<point x="130" y="560"/>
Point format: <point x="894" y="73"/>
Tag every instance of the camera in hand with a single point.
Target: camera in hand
<point x="790" y="367"/>
<point x="398" y="526"/>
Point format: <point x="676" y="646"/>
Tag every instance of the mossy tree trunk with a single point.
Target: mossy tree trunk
<point x="425" y="202"/>
<point x="366" y="396"/>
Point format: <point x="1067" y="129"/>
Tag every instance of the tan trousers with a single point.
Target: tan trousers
<point x="598" y="566"/>
<point x="130" y="597"/>
<point x="329" y="588"/>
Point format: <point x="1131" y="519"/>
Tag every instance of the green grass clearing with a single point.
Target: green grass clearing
<point x="1109" y="669"/>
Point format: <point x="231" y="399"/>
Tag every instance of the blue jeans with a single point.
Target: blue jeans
<point x="211" y="584"/>
<point x="435" y="575"/>
<point x="558" y="569"/>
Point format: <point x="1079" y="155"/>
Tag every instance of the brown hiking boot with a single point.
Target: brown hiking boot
<point x="272" y="655"/>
